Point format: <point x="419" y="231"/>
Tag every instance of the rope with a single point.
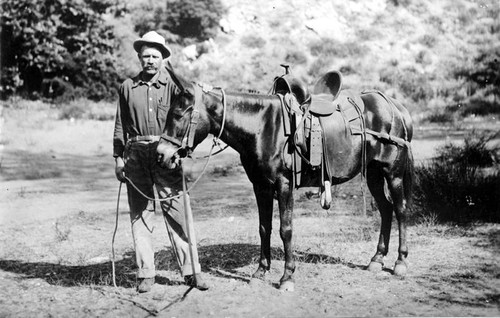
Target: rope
<point x="114" y="235"/>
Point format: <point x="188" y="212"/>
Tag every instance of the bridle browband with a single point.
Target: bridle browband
<point x="187" y="141"/>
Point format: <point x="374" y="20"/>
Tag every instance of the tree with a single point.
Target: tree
<point x="57" y="42"/>
<point x="484" y="74"/>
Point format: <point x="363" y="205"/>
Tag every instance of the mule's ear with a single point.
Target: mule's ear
<point x="181" y="83"/>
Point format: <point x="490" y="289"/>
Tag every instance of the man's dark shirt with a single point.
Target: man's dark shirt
<point x="142" y="109"/>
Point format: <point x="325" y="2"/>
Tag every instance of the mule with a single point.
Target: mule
<point x="253" y="124"/>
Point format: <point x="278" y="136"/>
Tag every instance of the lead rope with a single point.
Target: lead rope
<point x="114" y="235"/>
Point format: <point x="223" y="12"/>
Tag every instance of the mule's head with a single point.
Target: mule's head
<point x="183" y="128"/>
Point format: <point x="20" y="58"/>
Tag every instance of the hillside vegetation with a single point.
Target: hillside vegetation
<point x="423" y="52"/>
<point x="441" y="58"/>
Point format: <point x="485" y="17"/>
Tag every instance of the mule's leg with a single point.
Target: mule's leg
<point x="400" y="207"/>
<point x="375" y="181"/>
<point x="264" y="196"/>
<point x="285" y="203"/>
<point x="326" y="195"/>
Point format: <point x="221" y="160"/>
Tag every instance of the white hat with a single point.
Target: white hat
<point x="153" y="39"/>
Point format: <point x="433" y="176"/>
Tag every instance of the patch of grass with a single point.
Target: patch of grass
<point x="84" y="109"/>
<point x="62" y="231"/>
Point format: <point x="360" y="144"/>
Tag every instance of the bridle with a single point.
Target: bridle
<point x="187" y="142"/>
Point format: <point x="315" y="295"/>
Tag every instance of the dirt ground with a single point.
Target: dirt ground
<point x="57" y="209"/>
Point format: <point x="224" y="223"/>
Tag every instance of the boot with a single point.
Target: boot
<point x="145" y="285"/>
<point x="196" y="281"/>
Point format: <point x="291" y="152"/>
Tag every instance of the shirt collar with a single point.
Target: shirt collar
<point x="160" y="80"/>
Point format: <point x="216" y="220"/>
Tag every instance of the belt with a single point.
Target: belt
<point x="144" y="138"/>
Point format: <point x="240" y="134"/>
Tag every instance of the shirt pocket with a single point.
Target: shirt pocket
<point x="162" y="113"/>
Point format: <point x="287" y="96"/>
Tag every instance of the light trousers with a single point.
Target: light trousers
<point x="142" y="168"/>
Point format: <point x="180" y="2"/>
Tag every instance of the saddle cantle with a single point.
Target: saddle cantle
<point x="330" y="84"/>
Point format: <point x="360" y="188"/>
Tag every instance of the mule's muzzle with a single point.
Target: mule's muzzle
<point x="168" y="156"/>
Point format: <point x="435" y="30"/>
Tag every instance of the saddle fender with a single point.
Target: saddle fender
<point x="340" y="129"/>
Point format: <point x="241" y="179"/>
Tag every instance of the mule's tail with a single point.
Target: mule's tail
<point x="409" y="176"/>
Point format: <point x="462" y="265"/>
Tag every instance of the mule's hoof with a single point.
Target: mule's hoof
<point x="288" y="286"/>
<point x="400" y="269"/>
<point x="375" y="267"/>
<point x="324" y="202"/>
<point x="326" y="195"/>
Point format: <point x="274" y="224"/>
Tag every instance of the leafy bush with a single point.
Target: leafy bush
<point x="480" y="106"/>
<point x="64" y="40"/>
<point x="428" y="40"/>
<point x="454" y="186"/>
<point x="412" y="83"/>
<point x="484" y="83"/>
<point x="320" y="66"/>
<point x="474" y="152"/>
<point x="296" y="57"/>
<point x="253" y="41"/>
<point x="440" y="117"/>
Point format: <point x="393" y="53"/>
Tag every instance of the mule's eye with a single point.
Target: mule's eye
<point x="177" y="112"/>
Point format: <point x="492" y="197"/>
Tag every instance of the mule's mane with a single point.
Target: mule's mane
<point x="250" y="91"/>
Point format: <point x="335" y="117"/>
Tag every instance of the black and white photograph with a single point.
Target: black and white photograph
<point x="236" y="158"/>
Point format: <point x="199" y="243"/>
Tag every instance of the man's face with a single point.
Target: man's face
<point x="151" y="60"/>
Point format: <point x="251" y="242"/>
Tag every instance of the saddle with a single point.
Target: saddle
<point x="322" y="128"/>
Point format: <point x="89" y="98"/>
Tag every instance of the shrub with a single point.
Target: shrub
<point x="320" y="66"/>
<point x="412" y="83"/>
<point x="296" y="57"/>
<point x="440" y="117"/>
<point x="330" y="47"/>
<point x="474" y="151"/>
<point x="484" y="83"/>
<point x="479" y="106"/>
<point x="253" y="41"/>
<point x="454" y="187"/>
<point x="428" y="40"/>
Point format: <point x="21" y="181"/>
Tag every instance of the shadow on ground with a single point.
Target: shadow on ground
<point x="226" y="258"/>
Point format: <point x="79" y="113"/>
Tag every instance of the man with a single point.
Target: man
<point x="142" y="109"/>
